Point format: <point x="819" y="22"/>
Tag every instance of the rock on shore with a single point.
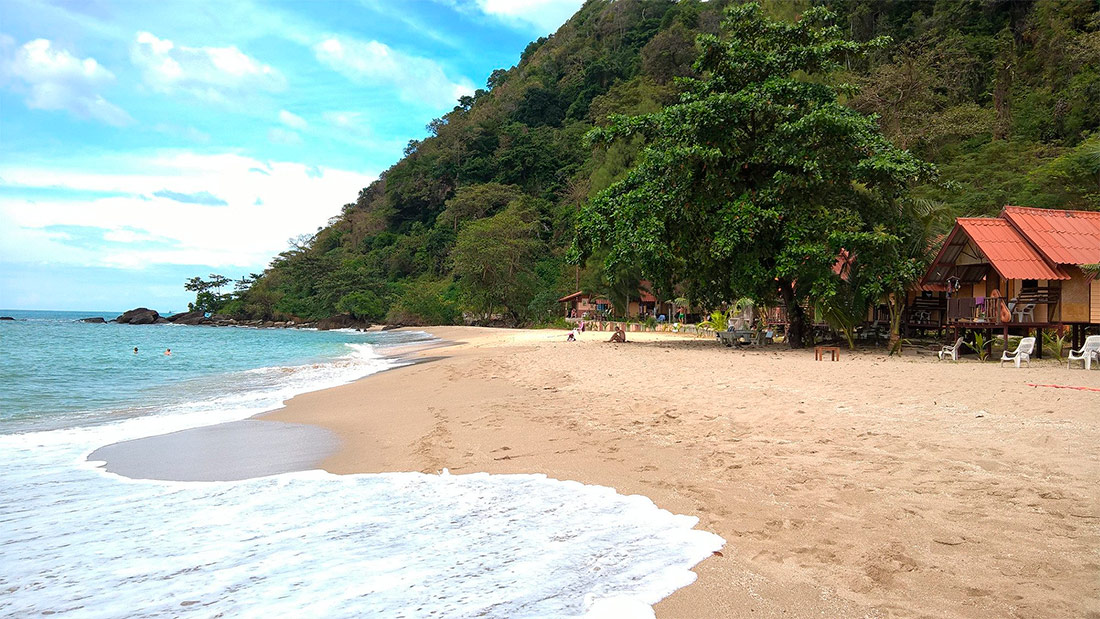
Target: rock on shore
<point x="341" y="321"/>
<point x="140" y="316"/>
<point x="145" y="316"/>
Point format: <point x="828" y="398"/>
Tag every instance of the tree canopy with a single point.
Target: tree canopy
<point x="756" y="180"/>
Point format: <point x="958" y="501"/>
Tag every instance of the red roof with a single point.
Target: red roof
<point x="1007" y="250"/>
<point x="645" y="295"/>
<point x="843" y="264"/>
<point x="1062" y="237"/>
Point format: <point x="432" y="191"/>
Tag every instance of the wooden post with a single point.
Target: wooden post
<point x="1038" y="342"/>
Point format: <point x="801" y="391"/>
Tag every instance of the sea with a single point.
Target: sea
<point x="78" y="541"/>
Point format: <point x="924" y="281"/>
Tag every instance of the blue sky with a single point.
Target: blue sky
<point x="142" y="143"/>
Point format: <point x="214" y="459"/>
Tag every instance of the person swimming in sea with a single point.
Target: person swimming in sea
<point x="167" y="352"/>
<point x="135" y="350"/>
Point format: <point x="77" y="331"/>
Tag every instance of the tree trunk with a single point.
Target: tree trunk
<point x="895" y="302"/>
<point x="796" y="317"/>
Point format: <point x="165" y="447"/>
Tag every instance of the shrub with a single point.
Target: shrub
<point x="363" y="305"/>
<point x="425" y="301"/>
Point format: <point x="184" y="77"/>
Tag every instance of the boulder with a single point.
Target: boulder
<point x="6" y="318"/>
<point x="341" y="321"/>
<point x="94" y="319"/>
<point x="138" y="316"/>
<point x="187" y="318"/>
<point x="393" y="326"/>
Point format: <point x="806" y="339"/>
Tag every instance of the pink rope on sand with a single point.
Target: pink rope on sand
<point x="1064" y="387"/>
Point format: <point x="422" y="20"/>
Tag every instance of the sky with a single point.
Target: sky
<point x="144" y="143"/>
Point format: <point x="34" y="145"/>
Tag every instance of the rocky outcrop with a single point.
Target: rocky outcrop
<point x="140" y="316"/>
<point x="341" y="321"/>
<point x="188" y="318"/>
<point x="144" y="316"/>
<point x="94" y="320"/>
<point x="6" y="318"/>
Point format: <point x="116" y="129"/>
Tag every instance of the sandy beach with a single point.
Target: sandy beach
<point x="865" y="487"/>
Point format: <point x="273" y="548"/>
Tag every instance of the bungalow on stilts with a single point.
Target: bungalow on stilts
<point x="1019" y="272"/>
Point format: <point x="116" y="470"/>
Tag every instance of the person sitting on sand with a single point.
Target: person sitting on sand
<point x="572" y="337"/>
<point x="619" y="335"/>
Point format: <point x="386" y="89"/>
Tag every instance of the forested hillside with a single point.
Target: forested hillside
<point x="478" y="218"/>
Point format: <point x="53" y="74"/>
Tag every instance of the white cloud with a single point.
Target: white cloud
<point x="351" y="122"/>
<point x="545" y="16"/>
<point x="57" y="80"/>
<point x="188" y="133"/>
<point x="292" y="120"/>
<point x="142" y="229"/>
<point x="219" y="74"/>
<point x="417" y="80"/>
<point x="279" y="135"/>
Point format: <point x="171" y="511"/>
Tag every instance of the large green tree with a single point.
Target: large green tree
<point x="495" y="259"/>
<point x="754" y="182"/>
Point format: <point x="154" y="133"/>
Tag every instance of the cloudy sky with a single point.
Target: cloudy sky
<point x="142" y="143"/>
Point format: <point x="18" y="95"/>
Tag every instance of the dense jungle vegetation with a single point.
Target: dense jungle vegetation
<point x="478" y="220"/>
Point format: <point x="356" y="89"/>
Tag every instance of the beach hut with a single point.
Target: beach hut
<point x="643" y="303"/>
<point x="1020" y="271"/>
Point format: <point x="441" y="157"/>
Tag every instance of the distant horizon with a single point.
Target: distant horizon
<point x="91" y="312"/>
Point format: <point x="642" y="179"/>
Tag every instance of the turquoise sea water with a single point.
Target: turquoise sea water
<point x="58" y="372"/>
<point x="76" y="541"/>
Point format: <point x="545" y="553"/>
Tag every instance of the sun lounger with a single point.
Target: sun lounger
<point x="1022" y="352"/>
<point x="951" y="351"/>
<point x="1088" y="353"/>
<point x="736" y="337"/>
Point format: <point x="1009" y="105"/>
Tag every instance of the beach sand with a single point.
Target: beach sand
<point x="865" y="487"/>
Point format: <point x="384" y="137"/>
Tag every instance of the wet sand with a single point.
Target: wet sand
<point x="865" y="487"/>
<point x="222" y="452"/>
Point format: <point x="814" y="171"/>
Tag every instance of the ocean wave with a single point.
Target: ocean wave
<point x="312" y="543"/>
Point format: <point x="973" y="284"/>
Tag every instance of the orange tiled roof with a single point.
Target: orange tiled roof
<point x="1062" y="237"/>
<point x="1007" y="250"/>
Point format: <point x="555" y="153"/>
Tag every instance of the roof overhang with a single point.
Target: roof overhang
<point x="570" y="297"/>
<point x="1061" y="236"/>
<point x="999" y="246"/>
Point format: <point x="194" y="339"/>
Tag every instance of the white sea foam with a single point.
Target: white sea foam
<point x="403" y="544"/>
<point x="77" y="541"/>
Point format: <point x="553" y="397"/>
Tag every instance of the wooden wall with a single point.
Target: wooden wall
<point x="1075" y="297"/>
<point x="1095" y="314"/>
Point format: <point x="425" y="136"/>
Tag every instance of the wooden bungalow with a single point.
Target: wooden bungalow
<point x="581" y="303"/>
<point x="1015" y="272"/>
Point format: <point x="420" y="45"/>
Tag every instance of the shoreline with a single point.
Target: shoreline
<point x="869" y="486"/>
<point x="240" y="449"/>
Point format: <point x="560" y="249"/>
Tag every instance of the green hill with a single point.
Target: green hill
<point x="477" y="218"/>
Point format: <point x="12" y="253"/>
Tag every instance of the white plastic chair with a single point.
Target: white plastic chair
<point x="952" y="351"/>
<point x="1022" y="352"/>
<point x="1025" y="309"/>
<point x="1089" y="350"/>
